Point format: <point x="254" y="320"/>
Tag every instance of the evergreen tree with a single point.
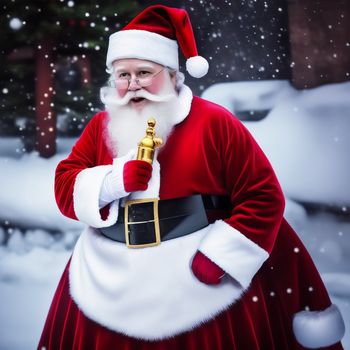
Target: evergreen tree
<point x="76" y="32"/>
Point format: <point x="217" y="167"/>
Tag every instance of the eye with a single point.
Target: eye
<point x="123" y="75"/>
<point x="144" y="73"/>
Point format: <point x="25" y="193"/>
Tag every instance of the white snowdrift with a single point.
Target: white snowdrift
<point x="305" y="135"/>
<point x="27" y="193"/>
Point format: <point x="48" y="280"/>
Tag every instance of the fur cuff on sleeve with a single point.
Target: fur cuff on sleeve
<point x="237" y="255"/>
<point x="86" y="197"/>
<point x="318" y="329"/>
<point x="113" y="184"/>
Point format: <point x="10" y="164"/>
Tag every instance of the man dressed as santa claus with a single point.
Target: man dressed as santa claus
<point x="190" y="251"/>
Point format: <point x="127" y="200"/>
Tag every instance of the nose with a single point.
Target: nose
<point x="133" y="85"/>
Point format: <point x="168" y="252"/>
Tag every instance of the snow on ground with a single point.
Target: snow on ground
<point x="31" y="179"/>
<point x="248" y="95"/>
<point x="27" y="283"/>
<point x="31" y="263"/>
<point x="12" y="147"/>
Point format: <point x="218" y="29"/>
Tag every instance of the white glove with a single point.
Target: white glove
<point x="113" y="184"/>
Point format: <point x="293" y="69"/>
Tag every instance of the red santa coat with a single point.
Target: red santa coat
<point x="113" y="297"/>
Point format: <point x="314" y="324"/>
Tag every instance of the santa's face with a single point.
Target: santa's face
<point x="145" y="89"/>
<point x="137" y="81"/>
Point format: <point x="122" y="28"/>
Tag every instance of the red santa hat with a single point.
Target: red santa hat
<point x="154" y="35"/>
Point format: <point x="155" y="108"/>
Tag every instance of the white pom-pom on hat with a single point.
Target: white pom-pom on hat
<point x="197" y="66"/>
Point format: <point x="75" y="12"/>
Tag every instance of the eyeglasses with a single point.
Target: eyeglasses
<point x="124" y="83"/>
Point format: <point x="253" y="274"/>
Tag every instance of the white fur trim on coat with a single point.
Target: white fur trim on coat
<point x="142" y="44"/>
<point x="237" y="255"/>
<point x="113" y="184"/>
<point x="185" y="102"/>
<point x="318" y="329"/>
<point x="89" y="183"/>
<point x="86" y="196"/>
<point x="148" y="293"/>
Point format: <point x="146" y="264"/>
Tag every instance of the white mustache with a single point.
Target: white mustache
<point x="113" y="99"/>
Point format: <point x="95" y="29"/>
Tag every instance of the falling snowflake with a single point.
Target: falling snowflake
<point x="16" y="23"/>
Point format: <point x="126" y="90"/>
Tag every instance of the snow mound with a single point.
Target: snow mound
<point x="305" y="135"/>
<point x="27" y="193"/>
<point x="246" y="95"/>
<point x="337" y="283"/>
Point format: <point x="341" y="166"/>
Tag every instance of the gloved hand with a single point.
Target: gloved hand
<point x="206" y="270"/>
<point x="136" y="174"/>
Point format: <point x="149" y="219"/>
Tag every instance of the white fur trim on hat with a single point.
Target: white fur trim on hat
<point x="237" y="255"/>
<point x="197" y="66"/>
<point x="144" y="45"/>
<point x="318" y="329"/>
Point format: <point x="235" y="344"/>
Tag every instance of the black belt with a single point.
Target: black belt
<point x="144" y="223"/>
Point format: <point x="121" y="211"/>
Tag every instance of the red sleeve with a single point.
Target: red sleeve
<point x="241" y="243"/>
<point x="82" y="156"/>
<point x="257" y="198"/>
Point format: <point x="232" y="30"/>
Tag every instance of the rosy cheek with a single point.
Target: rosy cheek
<point x="156" y="85"/>
<point x="121" y="92"/>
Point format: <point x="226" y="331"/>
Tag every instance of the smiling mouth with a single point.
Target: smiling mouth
<point x="137" y="99"/>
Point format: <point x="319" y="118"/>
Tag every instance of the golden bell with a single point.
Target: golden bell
<point x="149" y="143"/>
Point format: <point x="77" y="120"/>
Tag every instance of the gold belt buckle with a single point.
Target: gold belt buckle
<point x="156" y="222"/>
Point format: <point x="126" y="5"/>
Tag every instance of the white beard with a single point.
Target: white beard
<point x="127" y="126"/>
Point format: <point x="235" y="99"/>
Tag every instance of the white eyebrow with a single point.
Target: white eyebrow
<point x="146" y="67"/>
<point x="119" y="69"/>
<point x="141" y="67"/>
